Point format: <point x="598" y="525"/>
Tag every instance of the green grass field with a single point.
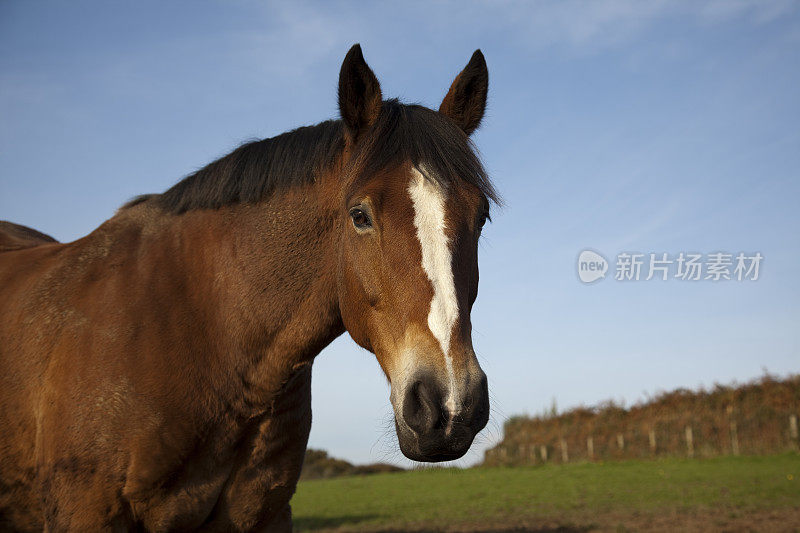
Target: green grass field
<point x="726" y="493"/>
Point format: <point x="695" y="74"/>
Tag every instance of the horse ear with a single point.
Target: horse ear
<point x="466" y="100"/>
<point x="359" y="93"/>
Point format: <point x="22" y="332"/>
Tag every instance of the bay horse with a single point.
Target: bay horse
<point x="156" y="374"/>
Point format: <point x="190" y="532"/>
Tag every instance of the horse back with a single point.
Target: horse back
<point x="16" y="237"/>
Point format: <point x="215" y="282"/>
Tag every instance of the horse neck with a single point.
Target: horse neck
<point x="264" y="277"/>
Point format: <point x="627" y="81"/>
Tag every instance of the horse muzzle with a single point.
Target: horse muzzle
<point x="435" y="424"/>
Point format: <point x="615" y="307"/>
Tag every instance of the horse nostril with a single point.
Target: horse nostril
<point x="422" y="407"/>
<point x="480" y="409"/>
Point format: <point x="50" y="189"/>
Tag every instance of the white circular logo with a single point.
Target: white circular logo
<point x="591" y="266"/>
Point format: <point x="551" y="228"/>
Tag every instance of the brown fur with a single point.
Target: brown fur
<point x="156" y="373"/>
<point x="15" y="237"/>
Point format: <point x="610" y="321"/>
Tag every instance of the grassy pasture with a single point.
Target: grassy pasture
<point x="757" y="493"/>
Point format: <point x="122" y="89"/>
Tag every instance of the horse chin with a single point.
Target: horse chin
<point x="434" y="448"/>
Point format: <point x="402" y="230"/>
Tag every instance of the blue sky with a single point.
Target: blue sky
<point x="616" y="126"/>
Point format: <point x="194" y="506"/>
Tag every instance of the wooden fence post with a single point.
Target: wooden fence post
<point x="590" y="447"/>
<point x="564" y="454"/>
<point x="543" y="451"/>
<point x="734" y="438"/>
<point x="652" y="436"/>
<point x="793" y="428"/>
<point x="689" y="442"/>
<point x="621" y="441"/>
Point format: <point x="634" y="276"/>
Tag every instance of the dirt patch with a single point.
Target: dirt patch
<point x="694" y="520"/>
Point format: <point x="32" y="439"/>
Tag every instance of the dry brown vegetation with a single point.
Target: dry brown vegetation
<point x="319" y="465"/>
<point x="759" y="417"/>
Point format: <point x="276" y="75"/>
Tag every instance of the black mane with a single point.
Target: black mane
<point x="255" y="170"/>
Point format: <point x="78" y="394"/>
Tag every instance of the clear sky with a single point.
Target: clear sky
<point x="617" y="126"/>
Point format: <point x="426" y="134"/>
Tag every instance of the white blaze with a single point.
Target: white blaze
<point x="437" y="262"/>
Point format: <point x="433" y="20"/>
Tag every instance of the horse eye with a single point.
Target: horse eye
<point x="482" y="220"/>
<point x="360" y="219"/>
